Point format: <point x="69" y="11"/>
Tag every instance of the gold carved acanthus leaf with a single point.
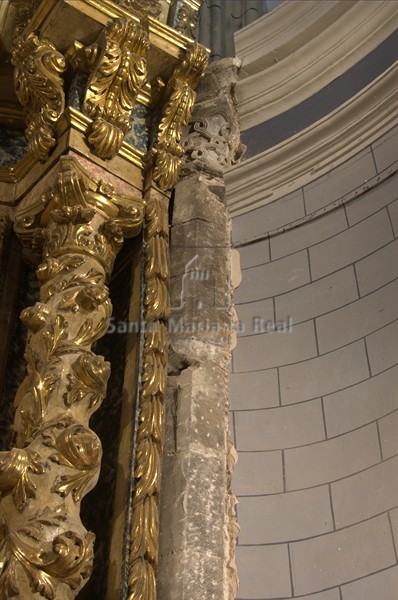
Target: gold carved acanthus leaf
<point x="78" y="449"/>
<point x="47" y="553"/>
<point x="176" y="113"/>
<point x="16" y="467"/>
<point x="87" y="380"/>
<point x="116" y="64"/>
<point x="39" y="88"/>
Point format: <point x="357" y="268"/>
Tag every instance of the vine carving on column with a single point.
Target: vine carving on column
<point x="116" y="64"/>
<point x="78" y="226"/>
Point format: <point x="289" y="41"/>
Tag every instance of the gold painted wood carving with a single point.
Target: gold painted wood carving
<point x="79" y="225"/>
<point x="24" y="12"/>
<point x="144" y="7"/>
<point x="188" y="17"/>
<point x="116" y="64"/>
<point x="145" y="518"/>
<point x="39" y="88"/>
<point x="176" y="113"/>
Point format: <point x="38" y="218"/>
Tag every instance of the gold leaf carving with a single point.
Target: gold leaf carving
<point x="79" y="449"/>
<point x="52" y="266"/>
<point x="32" y="400"/>
<point x="87" y="380"/>
<point x="82" y="224"/>
<point x="145" y="519"/>
<point x="54" y="335"/>
<point x="143" y="7"/>
<point x="176" y="114"/>
<point x="187" y="17"/>
<point x="116" y="64"/>
<point x="45" y="553"/>
<point x="15" y="468"/>
<point x="36" y="316"/>
<point x="90" y="331"/>
<point x="39" y="87"/>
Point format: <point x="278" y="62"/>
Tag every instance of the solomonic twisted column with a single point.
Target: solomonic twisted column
<point x="78" y="226"/>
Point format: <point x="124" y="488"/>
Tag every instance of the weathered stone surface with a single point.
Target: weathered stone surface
<point x="198" y="526"/>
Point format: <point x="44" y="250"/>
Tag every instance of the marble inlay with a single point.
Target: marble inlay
<point x="138" y="136"/>
<point x="13" y="146"/>
<point x="77" y="90"/>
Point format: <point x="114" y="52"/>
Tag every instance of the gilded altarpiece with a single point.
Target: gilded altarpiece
<point x="96" y="94"/>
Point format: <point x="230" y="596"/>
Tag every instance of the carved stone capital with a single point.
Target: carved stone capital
<point x="211" y="141"/>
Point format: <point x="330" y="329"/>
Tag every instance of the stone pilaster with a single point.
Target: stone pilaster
<point x="198" y="529"/>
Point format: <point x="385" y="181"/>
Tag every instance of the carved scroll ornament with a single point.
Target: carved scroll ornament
<point x="39" y="88"/>
<point x="188" y="17"/>
<point x="144" y="7"/>
<point x="176" y="113"/>
<point x="45" y="551"/>
<point x="116" y="64"/>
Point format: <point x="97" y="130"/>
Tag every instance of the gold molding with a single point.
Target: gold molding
<point x="144" y="531"/>
<point x="71" y="119"/>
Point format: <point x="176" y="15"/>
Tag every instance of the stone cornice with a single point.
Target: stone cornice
<point x="315" y="150"/>
<point x="309" y="45"/>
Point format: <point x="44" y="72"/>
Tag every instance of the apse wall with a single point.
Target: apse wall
<point x="314" y="377"/>
<point x="315" y="407"/>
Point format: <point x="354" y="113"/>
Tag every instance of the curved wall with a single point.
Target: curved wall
<point x="315" y="409"/>
<point x="315" y="218"/>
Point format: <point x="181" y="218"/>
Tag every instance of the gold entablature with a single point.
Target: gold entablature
<point x="116" y="64"/>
